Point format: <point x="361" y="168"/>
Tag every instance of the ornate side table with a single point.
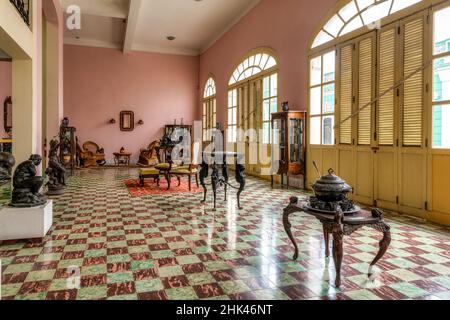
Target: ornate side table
<point x="122" y="158"/>
<point x="218" y="162"/>
<point x="339" y="225"/>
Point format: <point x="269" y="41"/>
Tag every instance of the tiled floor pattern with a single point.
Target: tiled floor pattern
<point x="172" y="247"/>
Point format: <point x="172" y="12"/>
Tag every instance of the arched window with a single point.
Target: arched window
<point x="253" y="82"/>
<point x="210" y="88"/>
<point x="357" y="14"/>
<point x="209" y="109"/>
<point x="252" y="66"/>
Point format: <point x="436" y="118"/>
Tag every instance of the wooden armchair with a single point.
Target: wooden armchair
<point x="150" y="157"/>
<point x="190" y="170"/>
<point x="92" y="155"/>
<point x="174" y="168"/>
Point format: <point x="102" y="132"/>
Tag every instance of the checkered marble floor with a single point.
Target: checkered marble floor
<point x="173" y="247"/>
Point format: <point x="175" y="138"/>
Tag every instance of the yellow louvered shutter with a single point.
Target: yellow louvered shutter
<point x="386" y="81"/>
<point x="346" y="71"/>
<point x="365" y="90"/>
<point x="413" y="87"/>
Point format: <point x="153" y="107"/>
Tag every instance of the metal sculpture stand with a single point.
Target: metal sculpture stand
<point x="218" y="181"/>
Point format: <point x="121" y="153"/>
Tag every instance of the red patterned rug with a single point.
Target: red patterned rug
<point x="150" y="187"/>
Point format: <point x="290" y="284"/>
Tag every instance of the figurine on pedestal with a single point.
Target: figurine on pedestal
<point x="7" y="161"/>
<point x="56" y="172"/>
<point x="27" y="185"/>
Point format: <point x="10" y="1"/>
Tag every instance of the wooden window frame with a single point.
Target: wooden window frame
<point x="321" y="85"/>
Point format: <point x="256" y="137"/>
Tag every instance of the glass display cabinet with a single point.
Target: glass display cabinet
<point x="68" y="148"/>
<point x="289" y="144"/>
<point x="177" y="131"/>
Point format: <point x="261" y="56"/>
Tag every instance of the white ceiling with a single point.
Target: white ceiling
<point x="143" y="25"/>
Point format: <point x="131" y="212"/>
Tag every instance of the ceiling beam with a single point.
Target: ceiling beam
<point x="111" y="8"/>
<point x="133" y="15"/>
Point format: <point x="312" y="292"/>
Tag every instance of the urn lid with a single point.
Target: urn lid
<point x="330" y="178"/>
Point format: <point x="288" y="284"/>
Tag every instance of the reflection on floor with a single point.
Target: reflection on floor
<point x="172" y="247"/>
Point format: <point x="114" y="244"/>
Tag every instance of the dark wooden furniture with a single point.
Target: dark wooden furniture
<point x="122" y="158"/>
<point x="7" y="116"/>
<point x="68" y="148"/>
<point x="147" y="173"/>
<point x="290" y="139"/>
<point x="175" y="131"/>
<point x="190" y="170"/>
<point x="127" y="121"/>
<point x="339" y="225"/>
<point x="218" y="162"/>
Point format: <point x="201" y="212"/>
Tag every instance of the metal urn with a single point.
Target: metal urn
<point x="331" y="193"/>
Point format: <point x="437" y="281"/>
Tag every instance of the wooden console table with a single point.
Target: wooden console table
<point x="210" y="159"/>
<point x="122" y="158"/>
<point x="339" y="225"/>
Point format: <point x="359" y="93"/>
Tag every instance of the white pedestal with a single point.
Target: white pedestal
<point x="25" y="223"/>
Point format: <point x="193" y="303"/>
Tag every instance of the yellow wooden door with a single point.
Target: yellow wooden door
<point x="345" y="108"/>
<point x="386" y="135"/>
<point x="365" y="89"/>
<point x="413" y="143"/>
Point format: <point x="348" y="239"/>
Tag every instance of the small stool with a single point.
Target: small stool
<point x="149" y="173"/>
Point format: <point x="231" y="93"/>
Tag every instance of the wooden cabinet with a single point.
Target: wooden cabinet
<point x="177" y="131"/>
<point x="289" y="144"/>
<point x="68" y="148"/>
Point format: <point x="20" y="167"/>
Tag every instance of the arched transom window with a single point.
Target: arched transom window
<point x="252" y="66"/>
<point x="357" y="14"/>
<point x="210" y="88"/>
<point x="253" y="96"/>
<point x="209" y="109"/>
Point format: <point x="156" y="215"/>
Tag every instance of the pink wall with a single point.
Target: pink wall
<point x="99" y="83"/>
<point x="286" y="26"/>
<point x="5" y="90"/>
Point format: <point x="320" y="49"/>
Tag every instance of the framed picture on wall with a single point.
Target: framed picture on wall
<point x="127" y="121"/>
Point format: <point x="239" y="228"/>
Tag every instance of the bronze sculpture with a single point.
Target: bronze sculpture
<point x="27" y="185"/>
<point x="7" y="161"/>
<point x="56" y="172"/>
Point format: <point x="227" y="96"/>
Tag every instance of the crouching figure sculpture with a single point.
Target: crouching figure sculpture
<point x="27" y="185"/>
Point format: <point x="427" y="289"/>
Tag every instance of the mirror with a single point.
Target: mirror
<point x="127" y="121"/>
<point x="7" y="112"/>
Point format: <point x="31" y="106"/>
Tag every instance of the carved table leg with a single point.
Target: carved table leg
<point x="240" y="178"/>
<point x="287" y="225"/>
<point x="338" y="250"/>
<point x="203" y="175"/>
<point x="326" y="235"/>
<point x="384" y="243"/>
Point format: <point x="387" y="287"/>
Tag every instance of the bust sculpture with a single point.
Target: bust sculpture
<point x="27" y="185"/>
<point x="7" y="161"/>
<point x="56" y="172"/>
